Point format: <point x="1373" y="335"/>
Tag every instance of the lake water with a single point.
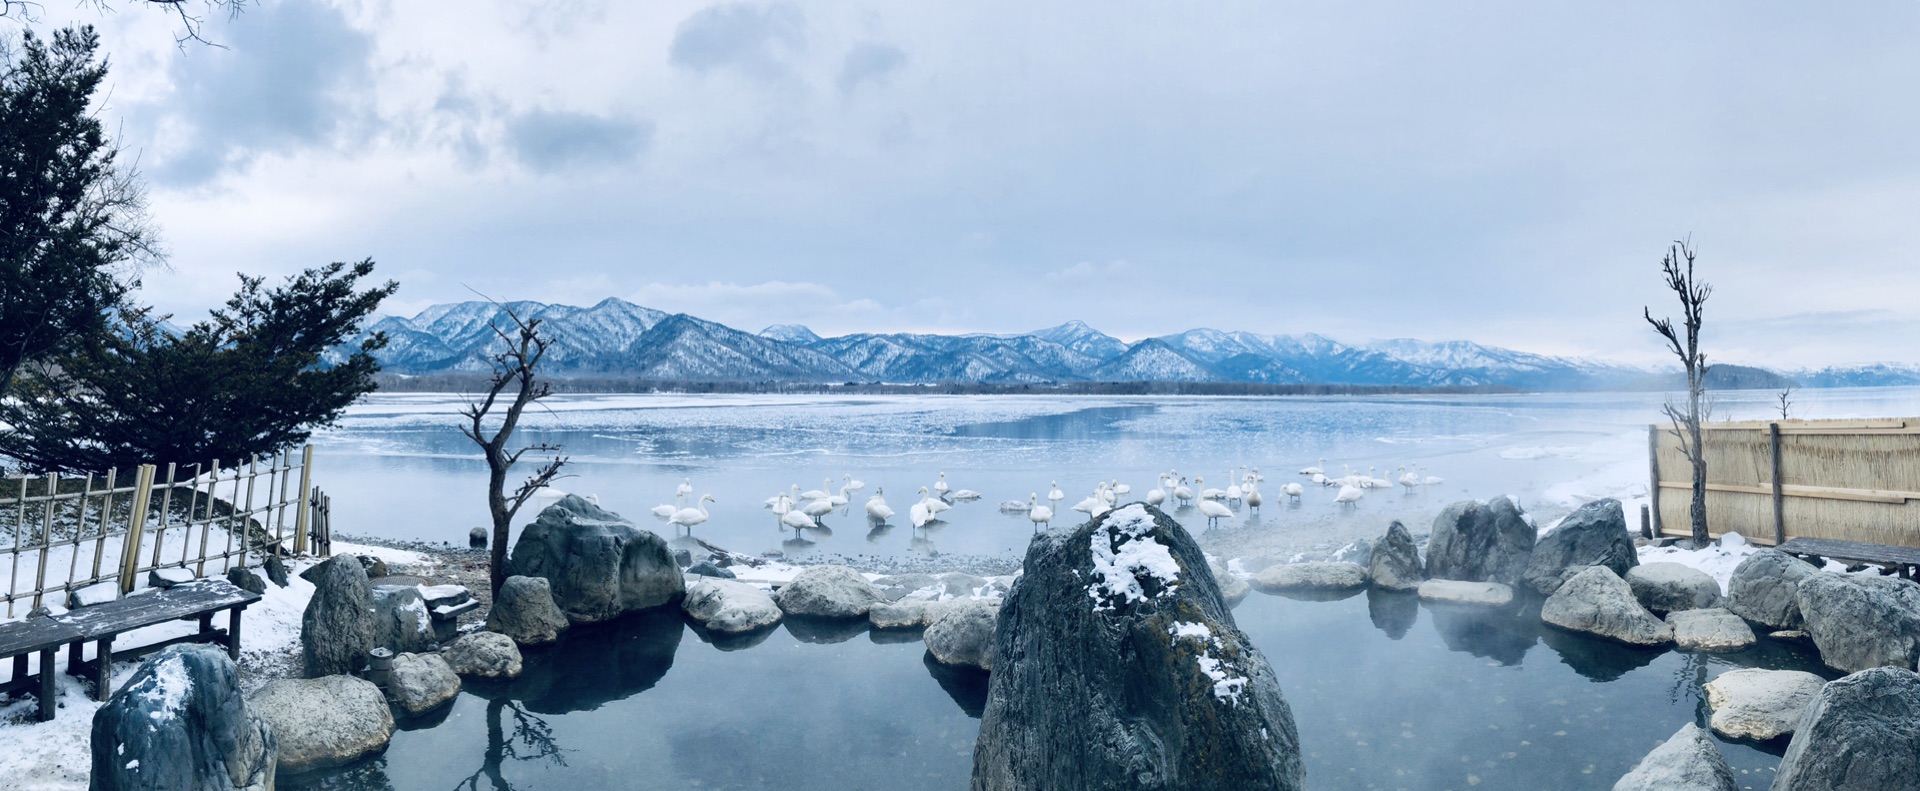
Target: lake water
<point x="1388" y="693"/>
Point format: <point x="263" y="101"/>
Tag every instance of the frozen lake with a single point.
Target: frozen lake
<point x="1388" y="693"/>
<point x="397" y="467"/>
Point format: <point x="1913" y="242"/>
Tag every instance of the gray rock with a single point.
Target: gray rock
<point x="1860" y="621"/>
<point x="324" y="722"/>
<point x="1710" y="630"/>
<point x="682" y="558"/>
<point x="1672" y="587"/>
<point x="960" y="586"/>
<point x="1598" y="602"/>
<point x="336" y="631"/>
<point x="1128" y="675"/>
<point x="908" y="613"/>
<point x="1751" y="703"/>
<point x="1857" y="735"/>
<point x="1358" y="552"/>
<point x="276" y="571"/>
<point x="828" y="592"/>
<point x="244" y="579"/>
<point x="1480" y="542"/>
<point x="1484" y="594"/>
<point x="1394" y="563"/>
<point x="1689" y="761"/>
<point x="524" y="610"/>
<point x="1233" y="587"/>
<point x="400" y="620"/>
<point x="1321" y="575"/>
<point x="600" y="565"/>
<point x="484" y="655"/>
<point x="704" y="569"/>
<point x="477" y="538"/>
<point x="730" y="607"/>
<point x="421" y="682"/>
<point x="963" y="635"/>
<point x="899" y="586"/>
<point x="1765" y="588"/>
<point x="181" y="723"/>
<point x="1593" y="535"/>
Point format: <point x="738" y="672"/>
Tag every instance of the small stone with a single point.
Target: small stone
<point x="1760" y="704"/>
<point x="682" y="558"/>
<point x="1322" y="575"/>
<point x="1671" y="587"/>
<point x="1713" y="630"/>
<point x="1598" y="602"/>
<point x="421" y="682"/>
<point x="524" y="610"/>
<point x="709" y="570"/>
<point x="829" y="592"/>
<point x="1689" y="761"/>
<point x="728" y="606"/>
<point x="246" y="580"/>
<point x="1485" y="594"/>
<point x="484" y="655"/>
<point x="276" y="571"/>
<point x="477" y="538"/>
<point x="324" y="722"/>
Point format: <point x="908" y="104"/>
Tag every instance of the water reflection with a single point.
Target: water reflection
<point x="1502" y="634"/>
<point x="967" y="686"/>
<point x="1392" y="612"/>
<point x="1597" y="658"/>
<point x="531" y="741"/>
<point x="824" y="630"/>
<point x="595" y="664"/>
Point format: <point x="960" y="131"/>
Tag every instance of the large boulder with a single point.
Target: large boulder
<point x="1860" y="621"/>
<point x="1710" y="630"/>
<point x="1857" y="735"/>
<point x="1598" y="602"/>
<point x="1117" y="664"/>
<point x="1394" y="563"/>
<point x="1765" y="588"/>
<point x="524" y="610"/>
<point x="908" y="613"/>
<point x="1689" y="761"/>
<point x="829" y="592"/>
<point x="1480" y="542"/>
<point x="729" y="607"/>
<point x="1672" y="587"/>
<point x="484" y="655"/>
<point x="1593" y="535"/>
<point x="337" y="629"/>
<point x="1481" y="594"/>
<point x="600" y="564"/>
<point x="400" y="620"/>
<point x="1329" y="575"/>
<point x="181" y="723"/>
<point x="421" y="682"/>
<point x="964" y="634"/>
<point x="324" y="722"/>
<point x="1761" y="705"/>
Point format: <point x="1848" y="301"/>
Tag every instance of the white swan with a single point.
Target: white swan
<point x="964" y="495"/>
<point x="1158" y="494"/>
<point x="817" y="509"/>
<point x="1054" y="495"/>
<point x="1252" y="497"/>
<point x="1315" y="469"/>
<point x="855" y="484"/>
<point x="839" y="500"/>
<point x="940" y="486"/>
<point x="1206" y="493"/>
<point x="1118" y="490"/>
<point x="1349" y="495"/>
<point x="782" y="504"/>
<point x="688" y="517"/>
<point x="1182" y="493"/>
<point x="877" y="505"/>
<point x="685" y="489"/>
<point x="1409" y="480"/>
<point x="815" y="494"/>
<point x="1014" y="507"/>
<point x="920" y="515"/>
<point x="1038" y="514"/>
<point x="934" y="504"/>
<point x="1234" y="491"/>
<point x="797" y="520"/>
<point x="1214" y="511"/>
<point x="1294" y="490"/>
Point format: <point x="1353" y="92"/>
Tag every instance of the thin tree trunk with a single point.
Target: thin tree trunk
<point x="1697" y="511"/>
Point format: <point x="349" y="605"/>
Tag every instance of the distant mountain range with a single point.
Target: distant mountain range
<point x="622" y="340"/>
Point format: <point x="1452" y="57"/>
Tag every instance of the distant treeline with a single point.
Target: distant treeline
<point x="461" y="383"/>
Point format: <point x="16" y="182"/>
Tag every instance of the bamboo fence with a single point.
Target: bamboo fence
<point x="1770" y="481"/>
<point x="62" y="533"/>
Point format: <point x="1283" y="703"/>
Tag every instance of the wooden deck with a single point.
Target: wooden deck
<point x="1904" y="560"/>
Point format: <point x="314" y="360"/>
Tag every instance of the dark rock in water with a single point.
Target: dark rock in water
<point x="966" y="685"/>
<point x="1480" y="542"/>
<point x="1673" y="587"/>
<point x="421" y="683"/>
<point x="1687" y="762"/>
<point x="1598" y="660"/>
<point x="1859" y="622"/>
<point x="1858" y="735"/>
<point x="600" y="564"/>
<point x="246" y="580"/>
<point x="964" y="636"/>
<point x="1118" y="665"/>
<point x="1393" y="612"/>
<point x="682" y="558"/>
<point x="181" y="723"/>
<point x="336" y="631"/>
<point x="710" y="570"/>
<point x="1594" y="535"/>
<point x="477" y="538"/>
<point x="276" y="571"/>
<point x="524" y="610"/>
<point x="1499" y="634"/>
<point x="1598" y="602"/>
<point x="1765" y="588"/>
<point x="321" y="723"/>
<point x="400" y="620"/>
<point x="1394" y="563"/>
<point x="593" y="665"/>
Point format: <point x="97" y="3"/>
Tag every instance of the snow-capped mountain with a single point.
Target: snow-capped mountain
<point x="620" y="339"/>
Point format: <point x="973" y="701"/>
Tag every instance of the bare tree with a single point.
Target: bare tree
<point x="514" y="375"/>
<point x="1677" y="267"/>
<point x="191" y="14"/>
<point x="1786" y="399"/>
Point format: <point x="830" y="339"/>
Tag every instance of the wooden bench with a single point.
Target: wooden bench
<point x="1904" y="561"/>
<point x="100" y="623"/>
<point x="41" y="635"/>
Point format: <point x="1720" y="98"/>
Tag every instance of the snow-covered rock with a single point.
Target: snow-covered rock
<point x="1594" y="535"/>
<point x="524" y="610"/>
<point x="400" y="620"/>
<point x="1480" y="542"/>
<point x="1757" y="704"/>
<point x="1311" y="576"/>
<point x="600" y="565"/>
<point x="1765" y="588"/>
<point x="1394" y="563"/>
<point x="1710" y="630"/>
<point x="1689" y="761"/>
<point x="324" y="722"/>
<point x="1598" y="602"/>
<point x="963" y="635"/>
<point x="729" y="607"/>
<point x="1861" y="621"/>
<point x="908" y="613"/>
<point x="1485" y="594"/>
<point x="828" y="592"/>
<point x="1857" y="735"/>
<point x="1671" y="587"/>
<point x="421" y="682"/>
<point x="484" y="655"/>
<point x="181" y="723"/>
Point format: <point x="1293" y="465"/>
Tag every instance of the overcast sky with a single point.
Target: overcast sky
<point x="1506" y="172"/>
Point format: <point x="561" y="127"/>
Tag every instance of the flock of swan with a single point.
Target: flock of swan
<point x="800" y="510"/>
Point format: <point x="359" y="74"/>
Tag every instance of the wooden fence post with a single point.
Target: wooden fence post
<point x="300" y="516"/>
<point x="1779" y="496"/>
<point x="1653" y="463"/>
<point x="136" y="526"/>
